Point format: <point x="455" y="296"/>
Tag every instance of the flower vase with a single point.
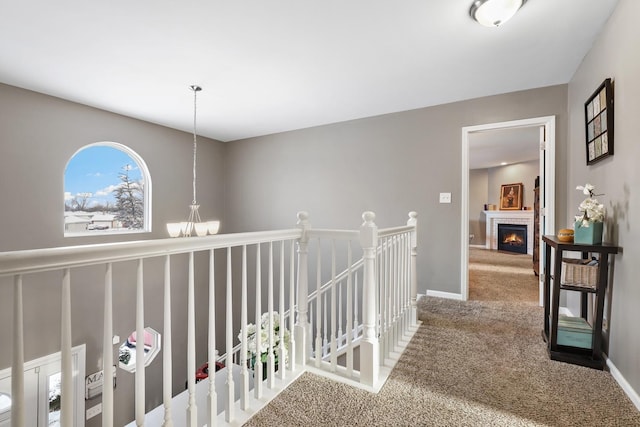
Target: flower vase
<point x="591" y="235"/>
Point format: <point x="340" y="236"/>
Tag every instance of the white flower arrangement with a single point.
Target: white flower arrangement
<point x="591" y="210"/>
<point x="264" y="339"/>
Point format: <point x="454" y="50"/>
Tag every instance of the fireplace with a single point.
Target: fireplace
<point x="512" y="238"/>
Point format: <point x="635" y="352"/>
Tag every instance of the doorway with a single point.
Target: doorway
<point x="42" y="390"/>
<point x="546" y="129"/>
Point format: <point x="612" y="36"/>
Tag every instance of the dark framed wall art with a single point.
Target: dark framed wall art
<point x="511" y="197"/>
<point x="598" y="111"/>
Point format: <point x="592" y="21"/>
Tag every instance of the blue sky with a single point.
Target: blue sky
<point x="95" y="170"/>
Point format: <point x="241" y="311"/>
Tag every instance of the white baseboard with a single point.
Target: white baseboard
<point x="478" y="246"/>
<point x="623" y="383"/>
<point x="615" y="373"/>
<point x="448" y="295"/>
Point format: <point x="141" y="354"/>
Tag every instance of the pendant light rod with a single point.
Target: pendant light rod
<point x="195" y="89"/>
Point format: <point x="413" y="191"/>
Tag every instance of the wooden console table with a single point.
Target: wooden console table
<point x="591" y="357"/>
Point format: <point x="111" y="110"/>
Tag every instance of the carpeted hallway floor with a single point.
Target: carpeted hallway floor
<point x="473" y="363"/>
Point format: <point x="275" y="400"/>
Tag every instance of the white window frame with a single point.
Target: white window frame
<point x="144" y="170"/>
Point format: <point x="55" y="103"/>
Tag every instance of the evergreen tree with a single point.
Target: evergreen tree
<point x="129" y="201"/>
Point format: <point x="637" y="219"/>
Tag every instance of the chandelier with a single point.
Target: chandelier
<point x="193" y="225"/>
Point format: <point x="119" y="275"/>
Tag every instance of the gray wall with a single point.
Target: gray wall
<point x="38" y="135"/>
<point x="525" y="173"/>
<point x="478" y="197"/>
<point x="390" y="164"/>
<point x="615" y="55"/>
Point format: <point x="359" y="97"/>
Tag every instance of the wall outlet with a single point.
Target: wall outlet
<point x="445" y="197"/>
<point x="94" y="410"/>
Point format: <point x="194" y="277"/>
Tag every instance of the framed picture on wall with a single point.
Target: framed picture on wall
<point x="511" y="197"/>
<point x="598" y="113"/>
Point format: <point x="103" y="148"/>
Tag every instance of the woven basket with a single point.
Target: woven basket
<point x="575" y="272"/>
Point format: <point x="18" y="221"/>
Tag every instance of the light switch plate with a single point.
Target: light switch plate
<point x="445" y="197"/>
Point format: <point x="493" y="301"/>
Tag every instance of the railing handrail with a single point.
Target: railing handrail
<point x="40" y="260"/>
<point x="333" y="234"/>
<point x="386" y="232"/>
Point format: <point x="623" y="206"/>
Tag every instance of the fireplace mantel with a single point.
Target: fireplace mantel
<point x="493" y="218"/>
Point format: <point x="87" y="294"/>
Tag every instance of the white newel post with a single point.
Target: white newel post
<point x="369" y="351"/>
<point x="303" y="291"/>
<point x="413" y="221"/>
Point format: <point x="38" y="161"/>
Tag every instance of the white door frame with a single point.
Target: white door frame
<point x="40" y="365"/>
<point x="547" y="186"/>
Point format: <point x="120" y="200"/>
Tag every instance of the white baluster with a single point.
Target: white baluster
<point x="303" y="291"/>
<point x="369" y="353"/>
<point x="413" y="221"/>
<point x="281" y="310"/>
<point x="257" y="364"/>
<point x="66" y="410"/>
<point x="292" y="298"/>
<point x="139" y="376"/>
<point x="333" y="338"/>
<point x="244" y="372"/>
<point x="167" y="367"/>
<point x="270" y="356"/>
<point x="229" y="413"/>
<point x="356" y="325"/>
<point x="192" y="410"/>
<point x="406" y="283"/>
<point x="325" y="329"/>
<point x="349" y="311"/>
<point x="385" y="299"/>
<point x="107" y="349"/>
<point x="394" y="288"/>
<point x="17" y="363"/>
<point x="319" y="296"/>
<point x="402" y="271"/>
<point x="340" y="335"/>
<point x="212" y="404"/>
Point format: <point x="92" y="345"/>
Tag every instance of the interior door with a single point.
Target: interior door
<point x="31" y="382"/>
<point x="42" y="390"/>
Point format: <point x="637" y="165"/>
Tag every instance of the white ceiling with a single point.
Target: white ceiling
<point x="493" y="148"/>
<point x="272" y="66"/>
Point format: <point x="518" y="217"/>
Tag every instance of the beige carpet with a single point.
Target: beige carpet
<point x="474" y="363"/>
<point x="517" y="283"/>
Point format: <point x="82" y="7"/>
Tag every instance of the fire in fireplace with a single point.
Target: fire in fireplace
<point x="512" y="238"/>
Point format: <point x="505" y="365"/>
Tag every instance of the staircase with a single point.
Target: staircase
<point x="343" y="303"/>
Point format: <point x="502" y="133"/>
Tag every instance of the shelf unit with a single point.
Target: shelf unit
<point x="590" y="357"/>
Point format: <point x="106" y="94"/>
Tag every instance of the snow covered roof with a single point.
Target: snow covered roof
<point x="72" y="219"/>
<point x="103" y="217"/>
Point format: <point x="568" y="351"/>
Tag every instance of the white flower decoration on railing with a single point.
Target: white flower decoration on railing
<point x="264" y="339"/>
<point x="590" y="209"/>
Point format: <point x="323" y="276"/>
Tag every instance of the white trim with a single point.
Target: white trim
<point x="623" y="383"/>
<point x="447" y="295"/>
<point x="79" y="354"/>
<point x="548" y="122"/>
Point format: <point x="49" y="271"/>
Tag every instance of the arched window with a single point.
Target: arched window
<point x="107" y="190"/>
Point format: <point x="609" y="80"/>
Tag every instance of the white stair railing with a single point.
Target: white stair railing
<point x="371" y="303"/>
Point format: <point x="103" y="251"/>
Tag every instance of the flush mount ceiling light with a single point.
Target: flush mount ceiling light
<point x="193" y="225"/>
<point x="493" y="13"/>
